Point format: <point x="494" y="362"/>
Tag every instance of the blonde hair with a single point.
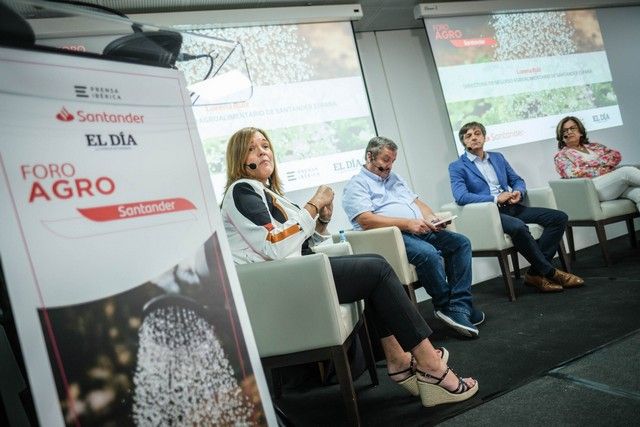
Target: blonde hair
<point x="237" y="152"/>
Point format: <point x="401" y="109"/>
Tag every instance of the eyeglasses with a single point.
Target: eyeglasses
<point x="571" y="129"/>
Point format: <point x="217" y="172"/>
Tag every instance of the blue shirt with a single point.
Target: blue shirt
<point x="367" y="192"/>
<point x="488" y="172"/>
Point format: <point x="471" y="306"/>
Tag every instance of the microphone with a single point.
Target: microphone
<point x="251" y="166"/>
<point x="380" y="168"/>
<point x="188" y="57"/>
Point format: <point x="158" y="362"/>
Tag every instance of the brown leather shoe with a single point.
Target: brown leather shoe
<point x="542" y="283"/>
<point x="567" y="280"/>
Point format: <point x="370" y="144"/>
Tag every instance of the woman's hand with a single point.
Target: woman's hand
<point x="322" y="222"/>
<point x="323" y="197"/>
<point x="320" y="200"/>
<point x="325" y="213"/>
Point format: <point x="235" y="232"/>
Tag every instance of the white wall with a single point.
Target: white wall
<point x="408" y="107"/>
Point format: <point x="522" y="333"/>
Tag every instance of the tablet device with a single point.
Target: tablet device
<point x="445" y="220"/>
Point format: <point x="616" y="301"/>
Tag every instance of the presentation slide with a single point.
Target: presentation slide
<point x="520" y="73"/>
<point x="302" y="84"/>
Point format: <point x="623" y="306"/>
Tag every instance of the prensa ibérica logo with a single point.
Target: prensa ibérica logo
<point x="97" y="92"/>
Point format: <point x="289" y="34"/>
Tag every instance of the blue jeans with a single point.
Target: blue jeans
<point x="448" y="282"/>
<point x="539" y="254"/>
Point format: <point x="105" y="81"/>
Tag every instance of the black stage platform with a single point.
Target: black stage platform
<point x="571" y="358"/>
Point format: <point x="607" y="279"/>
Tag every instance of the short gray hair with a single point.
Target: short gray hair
<point x="377" y="143"/>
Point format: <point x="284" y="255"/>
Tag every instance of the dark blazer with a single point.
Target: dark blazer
<point x="469" y="186"/>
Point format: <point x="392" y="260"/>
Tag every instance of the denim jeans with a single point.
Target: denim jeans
<point x="539" y="254"/>
<point x="448" y="282"/>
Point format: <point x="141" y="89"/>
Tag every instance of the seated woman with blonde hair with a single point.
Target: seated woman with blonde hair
<point x="263" y="225"/>
<point x="580" y="158"/>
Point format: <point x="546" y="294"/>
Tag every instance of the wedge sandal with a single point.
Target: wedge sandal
<point x="433" y="394"/>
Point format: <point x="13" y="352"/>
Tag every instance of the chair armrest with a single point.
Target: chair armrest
<point x="292" y="304"/>
<point x="387" y="242"/>
<point x="541" y="197"/>
<point x="480" y="222"/>
<point x="333" y="249"/>
<point x="633" y="165"/>
<point x="578" y="198"/>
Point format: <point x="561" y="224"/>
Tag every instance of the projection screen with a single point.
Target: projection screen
<point x="301" y="83"/>
<point x="520" y="73"/>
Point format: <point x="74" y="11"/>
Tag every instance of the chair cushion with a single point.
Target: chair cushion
<point x="333" y="249"/>
<point x="413" y="275"/>
<point x="617" y="207"/>
<point x="535" y="230"/>
<point x="385" y="241"/>
<point x="349" y="315"/>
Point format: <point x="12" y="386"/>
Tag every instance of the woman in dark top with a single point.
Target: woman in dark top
<point x="262" y="225"/>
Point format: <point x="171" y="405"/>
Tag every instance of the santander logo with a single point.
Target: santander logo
<point x="64" y="115"/>
<point x="99" y="117"/>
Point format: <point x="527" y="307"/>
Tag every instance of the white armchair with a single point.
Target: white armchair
<point x="387" y="242"/>
<point x="578" y="198"/>
<point x="296" y="318"/>
<point x="333" y="249"/>
<point x="480" y="222"/>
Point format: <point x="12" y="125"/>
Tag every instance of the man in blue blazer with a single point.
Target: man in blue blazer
<point x="482" y="176"/>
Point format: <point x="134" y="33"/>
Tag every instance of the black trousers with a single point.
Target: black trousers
<point x="371" y="278"/>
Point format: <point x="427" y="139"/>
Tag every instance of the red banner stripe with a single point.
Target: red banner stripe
<point x="485" y="41"/>
<point x="137" y="209"/>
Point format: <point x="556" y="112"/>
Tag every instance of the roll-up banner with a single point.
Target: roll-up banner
<point x="124" y="295"/>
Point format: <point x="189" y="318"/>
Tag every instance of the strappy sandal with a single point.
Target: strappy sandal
<point x="433" y="394"/>
<point x="410" y="383"/>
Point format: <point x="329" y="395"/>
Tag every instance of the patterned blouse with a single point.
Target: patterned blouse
<point x="570" y="163"/>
